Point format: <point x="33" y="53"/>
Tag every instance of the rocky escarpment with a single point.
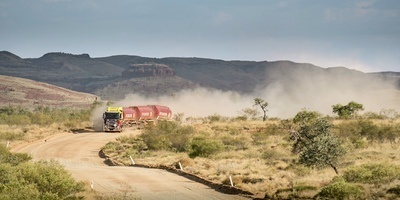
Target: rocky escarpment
<point x="147" y="70"/>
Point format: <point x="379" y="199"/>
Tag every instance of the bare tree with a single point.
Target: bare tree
<point x="263" y="104"/>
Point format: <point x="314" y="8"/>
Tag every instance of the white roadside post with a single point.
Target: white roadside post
<point x="91" y="184"/>
<point x="133" y="162"/>
<point x="8" y="144"/>
<point x="180" y="166"/>
<point x="230" y="179"/>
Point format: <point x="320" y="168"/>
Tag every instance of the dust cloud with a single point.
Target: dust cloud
<point x="287" y="93"/>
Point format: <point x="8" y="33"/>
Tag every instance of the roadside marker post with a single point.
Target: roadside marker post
<point x="180" y="165"/>
<point x="8" y="144"/>
<point x="91" y="184"/>
<point x="230" y="179"/>
<point x="133" y="162"/>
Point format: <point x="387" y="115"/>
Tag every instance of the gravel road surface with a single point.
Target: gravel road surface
<point x="79" y="153"/>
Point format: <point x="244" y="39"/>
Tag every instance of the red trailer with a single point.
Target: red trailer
<point x="161" y="112"/>
<point x="144" y="113"/>
<point x="129" y="115"/>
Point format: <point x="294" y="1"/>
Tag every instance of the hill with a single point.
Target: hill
<point x="29" y="93"/>
<point x="287" y="85"/>
<point x="126" y="73"/>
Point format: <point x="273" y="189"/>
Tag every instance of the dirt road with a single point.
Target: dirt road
<point x="79" y="153"/>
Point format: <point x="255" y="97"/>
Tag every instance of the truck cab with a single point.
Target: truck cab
<point x="113" y="119"/>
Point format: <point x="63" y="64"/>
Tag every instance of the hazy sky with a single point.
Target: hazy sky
<point x="358" y="34"/>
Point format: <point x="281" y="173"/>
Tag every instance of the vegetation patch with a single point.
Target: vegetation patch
<point x="40" y="180"/>
<point x="375" y="173"/>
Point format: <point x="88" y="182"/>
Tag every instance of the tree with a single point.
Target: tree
<point x="263" y="105"/>
<point x="348" y="110"/>
<point x="314" y="143"/>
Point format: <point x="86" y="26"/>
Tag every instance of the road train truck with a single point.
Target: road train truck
<point x="116" y="117"/>
<point x="113" y="119"/>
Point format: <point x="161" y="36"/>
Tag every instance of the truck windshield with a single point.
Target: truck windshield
<point x="111" y="115"/>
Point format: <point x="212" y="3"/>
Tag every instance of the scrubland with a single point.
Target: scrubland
<point x="258" y="155"/>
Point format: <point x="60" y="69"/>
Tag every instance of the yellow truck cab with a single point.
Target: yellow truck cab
<point x="113" y="119"/>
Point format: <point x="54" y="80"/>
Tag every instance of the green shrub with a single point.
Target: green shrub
<point x="260" y="137"/>
<point x="43" y="180"/>
<point x="365" y="128"/>
<point x="12" y="158"/>
<point x="43" y="116"/>
<point x="372" y="174"/>
<point x="314" y="143"/>
<point x="235" y="143"/>
<point x="214" y="118"/>
<point x="155" y="136"/>
<point x="131" y="139"/>
<point x="340" y="189"/>
<point x="13" y="186"/>
<point x="10" y="136"/>
<point x="110" y="147"/>
<point x="202" y="147"/>
<point x="296" y="192"/>
<point x="347" y="111"/>
<point x="306" y="116"/>
<point x="51" y="179"/>
<point x="325" y="150"/>
<point x="167" y="135"/>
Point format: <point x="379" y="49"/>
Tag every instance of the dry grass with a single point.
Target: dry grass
<point x="262" y="163"/>
<point x="264" y="166"/>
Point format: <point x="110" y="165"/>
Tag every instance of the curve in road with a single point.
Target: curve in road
<point x="79" y="153"/>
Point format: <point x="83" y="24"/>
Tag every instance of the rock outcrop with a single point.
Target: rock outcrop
<point x="147" y="70"/>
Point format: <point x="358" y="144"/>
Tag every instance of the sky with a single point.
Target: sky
<point x="357" y="34"/>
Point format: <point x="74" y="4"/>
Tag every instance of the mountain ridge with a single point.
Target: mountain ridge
<point x="100" y="76"/>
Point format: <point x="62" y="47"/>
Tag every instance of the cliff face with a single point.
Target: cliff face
<point x="147" y="70"/>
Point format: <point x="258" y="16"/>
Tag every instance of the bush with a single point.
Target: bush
<point x="43" y="116"/>
<point x="314" y="143"/>
<point x="13" y="186"/>
<point x="167" y="135"/>
<point x="340" y="189"/>
<point x="235" y="143"/>
<point x="43" y="180"/>
<point x="260" y="137"/>
<point x="296" y="192"/>
<point x="214" y="118"/>
<point x="347" y="111"/>
<point x="10" y="136"/>
<point x="372" y="174"/>
<point x="324" y="151"/>
<point x="365" y="128"/>
<point x="202" y="147"/>
<point x="12" y="158"/>
<point x="110" y="147"/>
